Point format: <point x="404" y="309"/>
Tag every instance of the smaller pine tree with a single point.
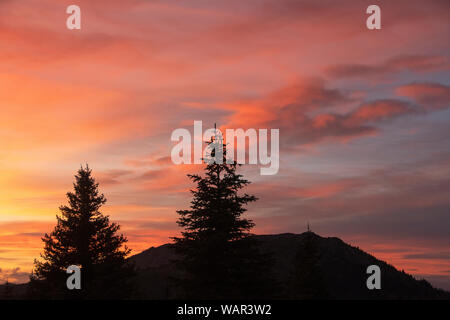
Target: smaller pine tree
<point x="83" y="236"/>
<point x="7" y="291"/>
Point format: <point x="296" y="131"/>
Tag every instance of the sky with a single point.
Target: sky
<point x="363" y="117"/>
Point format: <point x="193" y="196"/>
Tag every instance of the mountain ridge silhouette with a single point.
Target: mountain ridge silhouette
<point x="343" y="265"/>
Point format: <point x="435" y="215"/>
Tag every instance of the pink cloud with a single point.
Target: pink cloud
<point x="431" y="96"/>
<point x="304" y="113"/>
<point x="416" y="63"/>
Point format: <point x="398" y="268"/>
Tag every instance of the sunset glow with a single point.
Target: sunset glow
<point x="363" y="118"/>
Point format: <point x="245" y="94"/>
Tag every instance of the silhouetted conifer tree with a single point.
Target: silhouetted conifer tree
<point x="84" y="237"/>
<point x="7" y="291"/>
<point x="307" y="278"/>
<point x="220" y="259"/>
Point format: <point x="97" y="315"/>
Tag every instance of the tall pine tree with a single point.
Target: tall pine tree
<point x="83" y="236"/>
<point x="219" y="257"/>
